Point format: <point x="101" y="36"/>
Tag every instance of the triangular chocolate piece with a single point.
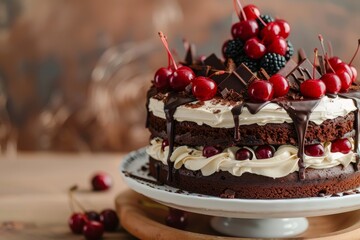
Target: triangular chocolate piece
<point x="214" y="62"/>
<point x="238" y="80"/>
<point x="302" y="72"/>
<point x="190" y="54"/>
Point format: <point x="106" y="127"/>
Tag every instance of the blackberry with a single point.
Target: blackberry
<point x="266" y="19"/>
<point x="272" y="63"/>
<point x="289" y="50"/>
<point x="234" y="49"/>
<point x="252" y="64"/>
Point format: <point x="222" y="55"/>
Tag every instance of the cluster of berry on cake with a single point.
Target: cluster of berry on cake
<point x="257" y="124"/>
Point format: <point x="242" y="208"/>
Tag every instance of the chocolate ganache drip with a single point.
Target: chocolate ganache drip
<point x="299" y="112"/>
<point x="237" y="110"/>
<point x="173" y="101"/>
<point x="355" y="96"/>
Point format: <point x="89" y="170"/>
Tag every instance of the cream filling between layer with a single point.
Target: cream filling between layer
<point x="217" y="115"/>
<point x="284" y="162"/>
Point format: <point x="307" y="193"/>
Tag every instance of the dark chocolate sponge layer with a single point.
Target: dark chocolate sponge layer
<point x="190" y="133"/>
<point x="250" y="186"/>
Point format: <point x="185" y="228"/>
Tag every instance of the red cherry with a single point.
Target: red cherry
<point x="284" y="28"/>
<point x="313" y="88"/>
<point x="354" y="73"/>
<point x="176" y="219"/>
<point x="209" y="151"/>
<point x="270" y="32"/>
<point x="245" y="29"/>
<point x="333" y="61"/>
<point x="77" y="222"/>
<point x="315" y="150"/>
<point x="243" y="154"/>
<point x="332" y="83"/>
<point x="93" y="216"/>
<point x="109" y="219"/>
<point x="278" y="46"/>
<point x="204" y="88"/>
<point x="164" y="144"/>
<point x="264" y="151"/>
<point x="251" y="12"/>
<point x="101" y="182"/>
<point x="162" y="76"/>
<point x="280" y="84"/>
<point x="254" y="48"/>
<point x="341" y="145"/>
<point x="93" y="230"/>
<point x="181" y="78"/>
<point x="343" y="67"/>
<point x="345" y="80"/>
<point x="260" y="91"/>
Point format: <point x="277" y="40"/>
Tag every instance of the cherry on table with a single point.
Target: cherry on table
<point x="77" y="222"/>
<point x="93" y="230"/>
<point x="176" y="218"/>
<point x="264" y="152"/>
<point x="341" y="145"/>
<point x="245" y="29"/>
<point x="209" y="151"/>
<point x="109" y="219"/>
<point x="204" y="88"/>
<point x="314" y="150"/>
<point x="278" y="45"/>
<point x="162" y="78"/>
<point x="313" y="88"/>
<point x="254" y="48"/>
<point x="92" y="216"/>
<point x="243" y="154"/>
<point x="332" y="83"/>
<point x="260" y="91"/>
<point x="280" y="84"/>
<point x="101" y="181"/>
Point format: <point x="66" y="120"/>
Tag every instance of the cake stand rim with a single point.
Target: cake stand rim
<point x="239" y="208"/>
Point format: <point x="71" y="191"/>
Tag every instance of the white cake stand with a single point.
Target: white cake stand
<point x="238" y="217"/>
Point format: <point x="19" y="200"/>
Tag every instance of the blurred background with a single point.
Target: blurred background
<point x="74" y="73"/>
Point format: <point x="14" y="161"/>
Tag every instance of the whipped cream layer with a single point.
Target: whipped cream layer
<point x="284" y="162"/>
<point x="219" y="115"/>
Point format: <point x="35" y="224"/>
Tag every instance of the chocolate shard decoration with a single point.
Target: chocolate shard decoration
<point x="303" y="71"/>
<point x="301" y="55"/>
<point x="190" y="54"/>
<point x="322" y="64"/>
<point x="214" y="62"/>
<point x="289" y="67"/>
<point x="215" y="65"/>
<point x="238" y="80"/>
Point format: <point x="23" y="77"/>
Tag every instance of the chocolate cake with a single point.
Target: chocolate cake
<point x="258" y="124"/>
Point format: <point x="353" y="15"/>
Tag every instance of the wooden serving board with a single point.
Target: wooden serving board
<point x="145" y="219"/>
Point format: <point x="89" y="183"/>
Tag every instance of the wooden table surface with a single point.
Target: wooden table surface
<point x="34" y="187"/>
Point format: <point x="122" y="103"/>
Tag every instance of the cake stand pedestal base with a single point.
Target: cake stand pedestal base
<point x="260" y="228"/>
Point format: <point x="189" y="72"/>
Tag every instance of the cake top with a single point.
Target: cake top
<point x="258" y="66"/>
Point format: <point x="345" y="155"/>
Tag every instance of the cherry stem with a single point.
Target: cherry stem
<point x="241" y="9"/>
<point x="322" y="45"/>
<point x="330" y="48"/>
<point x="261" y="20"/>
<point x="315" y="57"/>
<point x="166" y="45"/>
<point x="237" y="11"/>
<point x="74" y="200"/>
<point x="356" y="52"/>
